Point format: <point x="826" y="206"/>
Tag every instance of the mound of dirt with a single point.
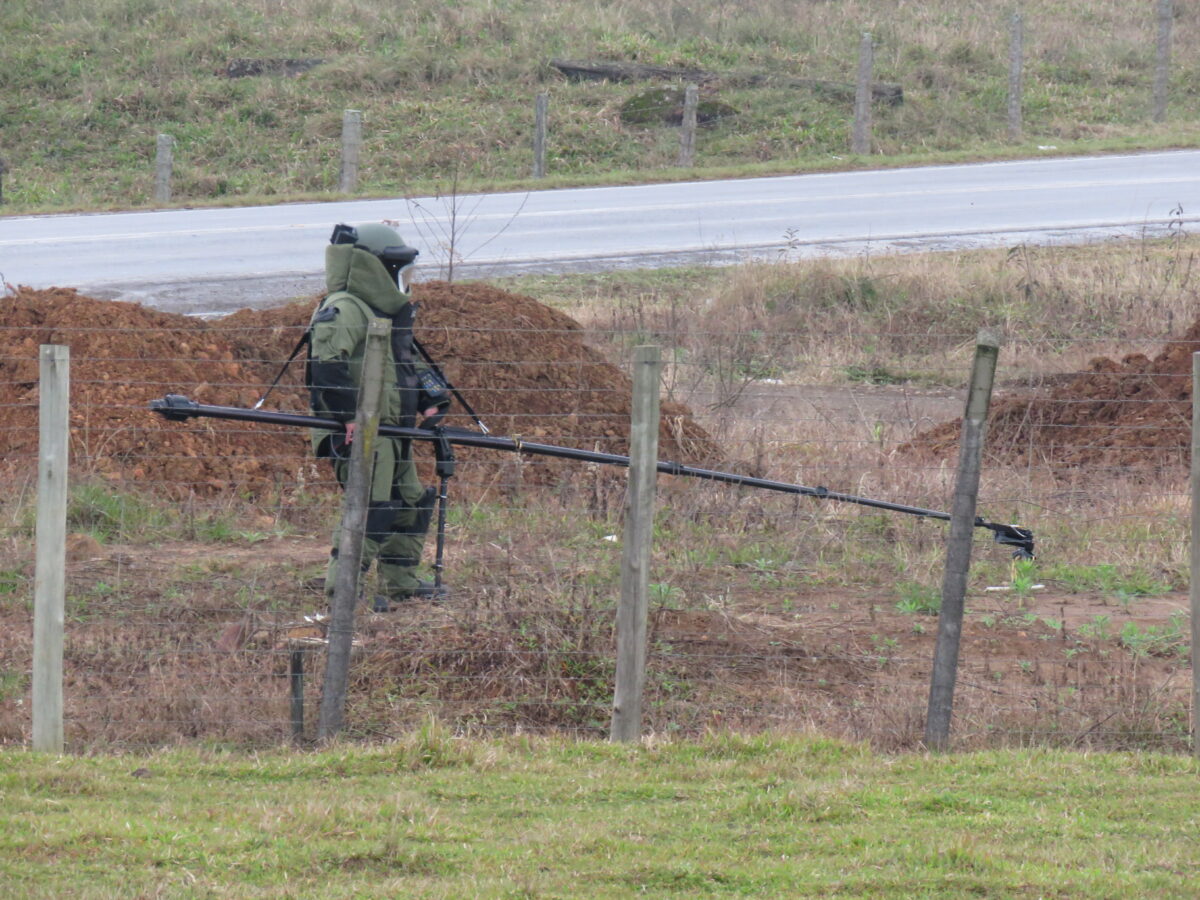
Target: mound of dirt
<point x="1135" y="413"/>
<point x="524" y="367"/>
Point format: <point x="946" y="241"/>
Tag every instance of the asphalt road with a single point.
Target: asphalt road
<point x="216" y="260"/>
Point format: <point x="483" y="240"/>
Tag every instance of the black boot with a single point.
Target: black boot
<point x="425" y="590"/>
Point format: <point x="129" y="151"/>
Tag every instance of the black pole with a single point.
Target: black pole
<point x="176" y="407"/>
<point x="445" y="470"/>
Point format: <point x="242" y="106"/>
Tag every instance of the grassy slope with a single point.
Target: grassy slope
<point x="447" y="90"/>
<point x="437" y="817"/>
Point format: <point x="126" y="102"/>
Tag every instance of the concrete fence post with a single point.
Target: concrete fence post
<point x="541" y="107"/>
<point x="635" y="558"/>
<point x="1016" y="60"/>
<point x="49" y="592"/>
<point x="861" y="139"/>
<point x="687" y="133"/>
<point x="958" y="543"/>
<point x="351" y="149"/>
<point x="164" y="163"/>
<point x="1162" y="58"/>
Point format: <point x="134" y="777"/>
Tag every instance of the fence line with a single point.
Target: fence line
<point x="734" y="636"/>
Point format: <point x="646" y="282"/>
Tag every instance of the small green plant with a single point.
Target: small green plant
<point x="918" y="599"/>
<point x="665" y="596"/>
<point x="884" y="648"/>
<point x="874" y="374"/>
<point x="1024" y="578"/>
<point x="1099" y="629"/>
<point x="12" y="684"/>
<point x="1106" y="578"/>
<point x="11" y="582"/>
<point x="109" y="514"/>
<point x="1169" y="640"/>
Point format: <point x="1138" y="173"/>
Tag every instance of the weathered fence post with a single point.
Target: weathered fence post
<point x="3" y="172"/>
<point x="1162" y="59"/>
<point x="541" y="107"/>
<point x="49" y="598"/>
<point x="635" y="552"/>
<point x="1195" y="566"/>
<point x="861" y="139"/>
<point x="1016" y="58"/>
<point x="163" y="164"/>
<point x="350" y="539"/>
<point x="958" y="542"/>
<point x="687" y="133"/>
<point x="351" y="147"/>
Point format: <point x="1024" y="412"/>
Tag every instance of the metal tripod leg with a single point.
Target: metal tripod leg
<point x="445" y="470"/>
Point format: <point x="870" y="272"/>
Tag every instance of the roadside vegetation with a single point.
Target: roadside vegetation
<point x="447" y="91"/>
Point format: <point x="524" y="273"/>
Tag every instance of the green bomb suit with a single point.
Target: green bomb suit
<point x="359" y="288"/>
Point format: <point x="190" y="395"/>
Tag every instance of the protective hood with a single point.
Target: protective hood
<point x="362" y="274"/>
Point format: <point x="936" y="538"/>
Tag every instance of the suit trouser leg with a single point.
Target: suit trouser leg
<point x="400" y="551"/>
<point x="383" y="474"/>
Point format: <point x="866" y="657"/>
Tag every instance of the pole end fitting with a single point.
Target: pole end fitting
<point x="175" y="407"/>
<point x="1021" y="539"/>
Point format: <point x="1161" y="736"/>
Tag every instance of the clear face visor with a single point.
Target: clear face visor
<point x="404" y="276"/>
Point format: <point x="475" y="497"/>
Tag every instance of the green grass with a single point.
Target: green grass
<point x="918" y="599"/>
<point x="447" y="92"/>
<point x="436" y="816"/>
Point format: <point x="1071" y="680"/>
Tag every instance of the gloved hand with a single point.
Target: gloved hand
<point x="433" y="416"/>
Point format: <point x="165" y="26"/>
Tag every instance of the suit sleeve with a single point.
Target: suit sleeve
<point x="338" y="330"/>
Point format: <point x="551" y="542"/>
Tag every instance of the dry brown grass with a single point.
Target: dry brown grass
<point x="768" y="611"/>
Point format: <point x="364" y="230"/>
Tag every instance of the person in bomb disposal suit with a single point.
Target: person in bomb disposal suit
<point x="368" y="271"/>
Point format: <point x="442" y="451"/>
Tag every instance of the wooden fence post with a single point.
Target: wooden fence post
<point x="861" y="139"/>
<point x="1162" y="61"/>
<point x="1016" y="60"/>
<point x="958" y="543"/>
<point x="1195" y="562"/>
<point x="687" y="133"/>
<point x="163" y="164"/>
<point x="351" y="147"/>
<point x="350" y="540"/>
<point x="49" y="600"/>
<point x="3" y="172"/>
<point x="635" y="552"/>
<point x="541" y="106"/>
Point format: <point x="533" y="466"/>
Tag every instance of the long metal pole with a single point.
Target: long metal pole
<point x="179" y="408"/>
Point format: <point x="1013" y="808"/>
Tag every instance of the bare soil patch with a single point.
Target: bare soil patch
<point x="525" y="367"/>
<point x="1133" y="413"/>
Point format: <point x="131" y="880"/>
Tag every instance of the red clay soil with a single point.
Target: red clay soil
<point x="524" y="367"/>
<point x="1135" y="413"/>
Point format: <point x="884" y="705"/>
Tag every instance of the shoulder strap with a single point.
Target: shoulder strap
<point x="305" y="339"/>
